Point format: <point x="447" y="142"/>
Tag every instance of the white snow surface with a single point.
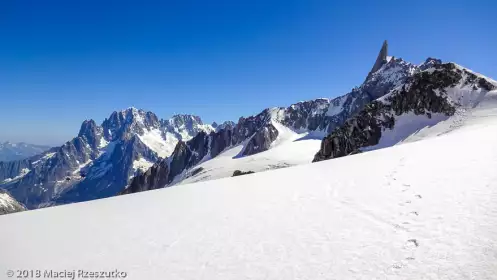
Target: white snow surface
<point x="153" y="139"/>
<point x="141" y="164"/>
<point x="422" y="210"/>
<point x="289" y="149"/>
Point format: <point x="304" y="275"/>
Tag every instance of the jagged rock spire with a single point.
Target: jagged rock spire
<point x="381" y="59"/>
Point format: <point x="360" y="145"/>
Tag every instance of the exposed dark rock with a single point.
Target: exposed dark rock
<point x="380" y="60"/>
<point x="429" y="62"/>
<point x="123" y="125"/>
<point x="227" y="125"/>
<point x="91" y="132"/>
<point x="110" y="175"/>
<point x="424" y="93"/>
<point x="240" y="173"/>
<point x="307" y="115"/>
<point x="196" y="171"/>
<point x="155" y="177"/>
<point x="220" y="140"/>
<point x="261" y="140"/>
<point x="13" y="168"/>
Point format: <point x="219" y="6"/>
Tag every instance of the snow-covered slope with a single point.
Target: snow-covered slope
<point x="8" y="204"/>
<point x="290" y="148"/>
<point x="422" y="210"/>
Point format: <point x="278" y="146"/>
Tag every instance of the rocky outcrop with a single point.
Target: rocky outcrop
<point x="13" y="168"/>
<point x="225" y="125"/>
<point x="8" y="204"/>
<point x="381" y="59"/>
<point x="91" y="132"/>
<point x="425" y="93"/>
<point x="155" y="177"/>
<point x="261" y="140"/>
<point x="240" y="173"/>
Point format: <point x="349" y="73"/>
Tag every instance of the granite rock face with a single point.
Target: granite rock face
<point x="100" y="162"/>
<point x="381" y="59"/>
<point x="91" y="132"/>
<point x="155" y="176"/>
<point x="427" y="92"/>
<point x="261" y="140"/>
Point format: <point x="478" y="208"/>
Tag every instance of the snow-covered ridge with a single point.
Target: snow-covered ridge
<point x="439" y="93"/>
<point x="314" y="119"/>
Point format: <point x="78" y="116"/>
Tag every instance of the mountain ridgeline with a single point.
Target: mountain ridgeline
<point x="256" y="133"/>
<point x="425" y="93"/>
<point x="134" y="151"/>
<point x="98" y="162"/>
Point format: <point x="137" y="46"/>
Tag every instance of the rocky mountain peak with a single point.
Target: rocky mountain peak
<point x="91" y="132"/>
<point x="380" y="60"/>
<point x="224" y="125"/>
<point x="125" y="123"/>
<point x="429" y="63"/>
<point x="391" y="74"/>
<point x="185" y="120"/>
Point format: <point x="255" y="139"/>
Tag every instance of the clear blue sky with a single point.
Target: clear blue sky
<point x="62" y="62"/>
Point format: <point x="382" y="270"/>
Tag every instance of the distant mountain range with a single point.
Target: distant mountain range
<point x="16" y="151"/>
<point x="133" y="150"/>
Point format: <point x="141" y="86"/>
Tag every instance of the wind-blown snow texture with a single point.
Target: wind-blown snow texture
<point x="422" y="210"/>
<point x="100" y="161"/>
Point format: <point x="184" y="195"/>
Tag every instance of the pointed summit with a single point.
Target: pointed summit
<point x="381" y="59"/>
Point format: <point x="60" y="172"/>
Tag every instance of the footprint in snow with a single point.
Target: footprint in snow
<point x="411" y="244"/>
<point x="405" y="202"/>
<point x="417" y="196"/>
